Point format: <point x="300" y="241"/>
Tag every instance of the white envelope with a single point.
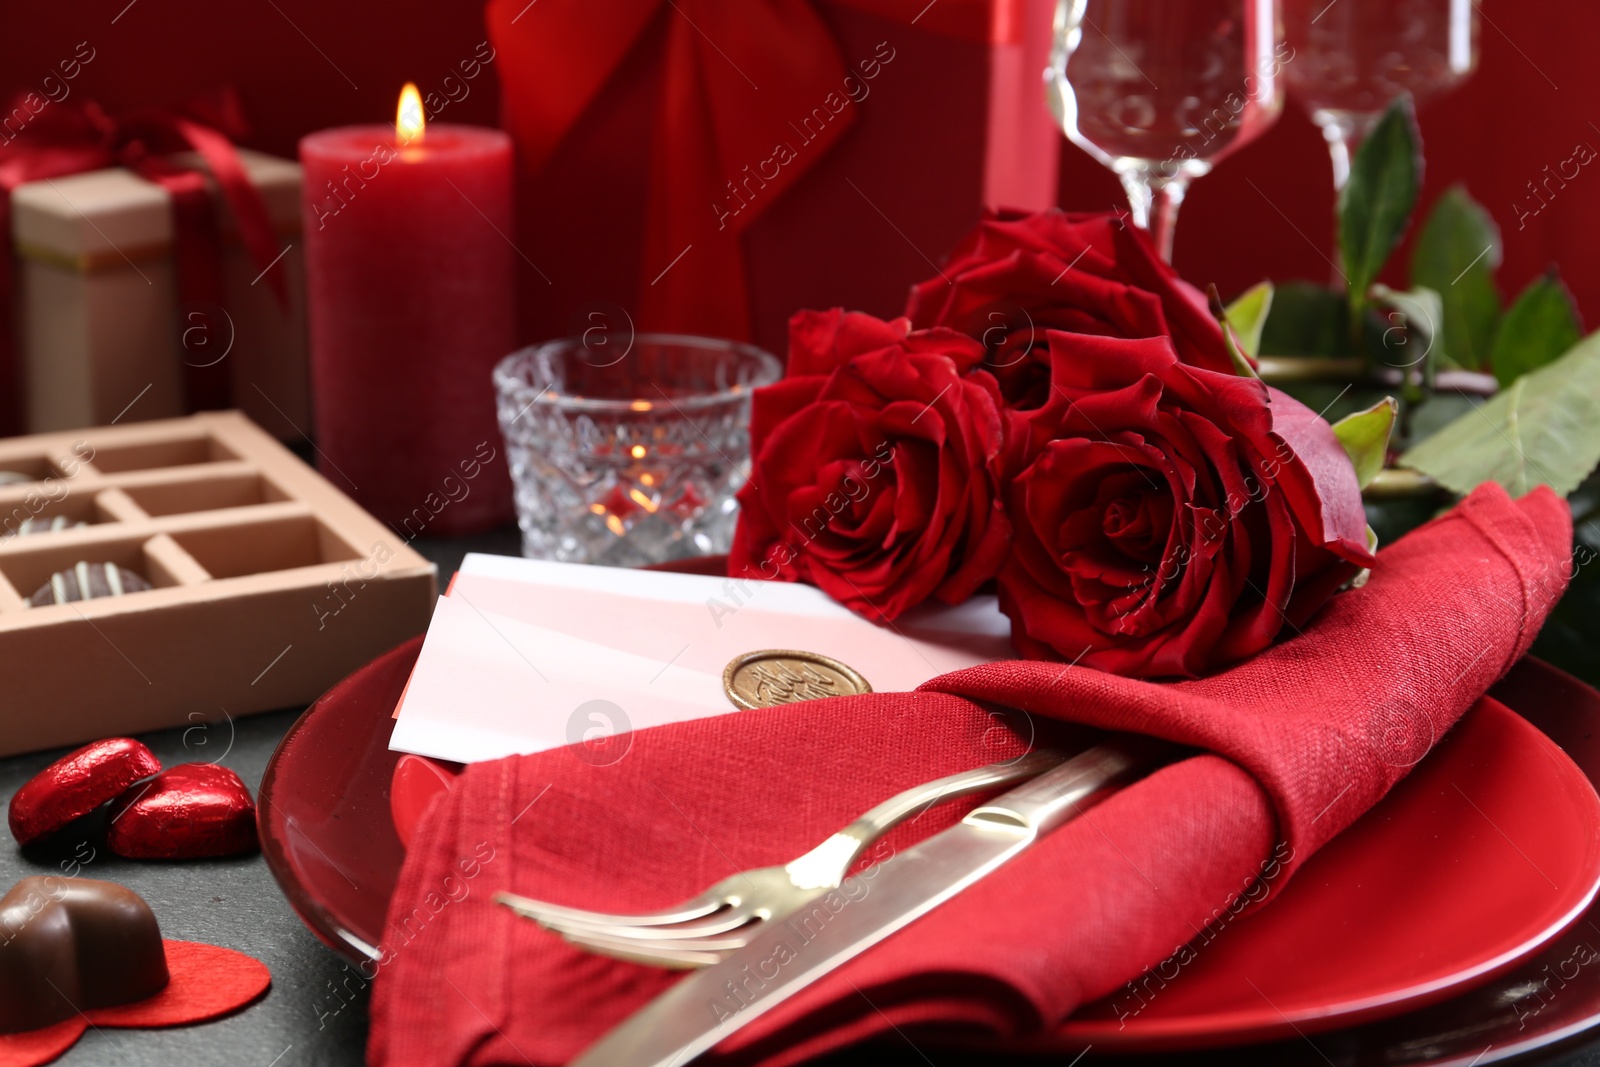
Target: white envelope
<point x="526" y="655"/>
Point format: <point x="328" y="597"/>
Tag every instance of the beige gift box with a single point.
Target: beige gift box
<point x="267" y="583"/>
<point x="100" y="335"/>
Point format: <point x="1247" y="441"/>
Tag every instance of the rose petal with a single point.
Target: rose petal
<point x="1320" y="481"/>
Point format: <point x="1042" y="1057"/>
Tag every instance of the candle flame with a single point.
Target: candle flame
<point x="408" y="117"/>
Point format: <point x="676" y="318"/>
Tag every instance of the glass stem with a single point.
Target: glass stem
<point x="1344" y="131"/>
<point x="1339" y="152"/>
<point x="1155" y="200"/>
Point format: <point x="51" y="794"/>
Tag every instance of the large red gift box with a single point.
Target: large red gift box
<point x="711" y="166"/>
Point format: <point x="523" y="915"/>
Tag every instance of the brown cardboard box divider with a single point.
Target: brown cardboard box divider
<point x="268" y="583"/>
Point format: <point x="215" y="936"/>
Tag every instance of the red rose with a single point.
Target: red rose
<point x="1168" y="519"/>
<point x="876" y="466"/>
<point x="1018" y="275"/>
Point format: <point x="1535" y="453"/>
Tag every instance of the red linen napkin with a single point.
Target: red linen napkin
<point x="1300" y="740"/>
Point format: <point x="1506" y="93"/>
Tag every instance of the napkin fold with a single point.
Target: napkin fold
<point x="1294" y="745"/>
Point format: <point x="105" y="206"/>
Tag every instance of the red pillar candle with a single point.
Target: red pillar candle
<point x="409" y="279"/>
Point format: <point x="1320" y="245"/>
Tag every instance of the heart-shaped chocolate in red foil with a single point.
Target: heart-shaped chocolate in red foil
<point x="185" y="812"/>
<point x="76" y="784"/>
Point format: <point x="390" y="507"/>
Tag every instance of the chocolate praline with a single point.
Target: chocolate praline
<point x="72" y="944"/>
<point x="87" y="581"/>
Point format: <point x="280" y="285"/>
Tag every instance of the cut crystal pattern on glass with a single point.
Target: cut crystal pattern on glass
<point x="630" y="460"/>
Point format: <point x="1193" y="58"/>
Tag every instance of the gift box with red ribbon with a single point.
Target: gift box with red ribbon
<point x="156" y="270"/>
<point x="711" y="166"/>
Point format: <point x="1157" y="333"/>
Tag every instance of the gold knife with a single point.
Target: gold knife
<point x="707" y="1006"/>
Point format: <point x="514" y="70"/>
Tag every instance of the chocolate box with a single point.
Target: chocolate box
<point x="269" y="584"/>
<point x="100" y="330"/>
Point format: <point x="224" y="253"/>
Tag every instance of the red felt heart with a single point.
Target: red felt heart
<point x="185" y="812"/>
<point x="76" y="784"/>
<point x="206" y="981"/>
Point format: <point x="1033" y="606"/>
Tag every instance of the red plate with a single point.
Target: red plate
<point x="1483" y="854"/>
<point x="1486" y="851"/>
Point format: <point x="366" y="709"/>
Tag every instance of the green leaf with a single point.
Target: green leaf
<point x="1365" y="437"/>
<point x="1305" y="320"/>
<point x="1230" y="339"/>
<point x="1456" y="256"/>
<point x="1541" y="325"/>
<point x="1248" y="314"/>
<point x="1241" y="362"/>
<point x="1375" y="203"/>
<point x="1435" y="413"/>
<point x="1359" y="579"/>
<point x="1543" y="430"/>
<point x="1410" y="329"/>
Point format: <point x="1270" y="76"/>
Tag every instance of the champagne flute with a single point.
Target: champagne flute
<point x="1161" y="90"/>
<point x="1351" y="57"/>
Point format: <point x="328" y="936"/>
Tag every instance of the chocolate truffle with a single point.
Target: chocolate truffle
<point x="85" y="581"/>
<point x="72" y="944"/>
<point x="54" y="525"/>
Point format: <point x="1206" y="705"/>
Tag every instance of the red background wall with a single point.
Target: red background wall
<point x="1267" y="212"/>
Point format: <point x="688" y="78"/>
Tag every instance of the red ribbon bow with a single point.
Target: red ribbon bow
<point x="736" y="74"/>
<point x="55" y="140"/>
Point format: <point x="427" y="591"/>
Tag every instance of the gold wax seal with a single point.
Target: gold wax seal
<point x="783" y="676"/>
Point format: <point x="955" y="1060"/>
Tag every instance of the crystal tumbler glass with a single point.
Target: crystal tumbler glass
<point x="627" y="455"/>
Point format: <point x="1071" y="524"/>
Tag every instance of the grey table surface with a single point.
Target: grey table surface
<point x="316" y="1011"/>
